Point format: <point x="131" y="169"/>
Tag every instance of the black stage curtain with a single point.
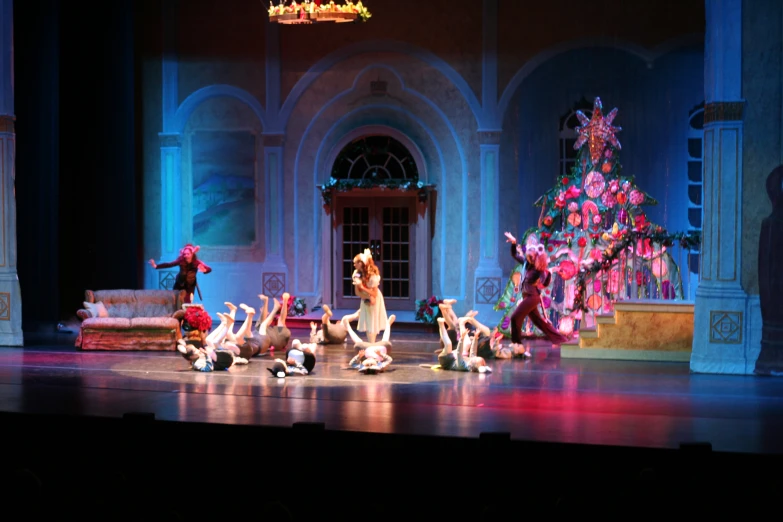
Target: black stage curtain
<point x="77" y="173"/>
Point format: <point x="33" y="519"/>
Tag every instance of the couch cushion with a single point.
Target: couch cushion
<point x="155" y="303"/>
<point x="107" y="323"/>
<point x="96" y="309"/>
<point x="119" y="303"/>
<point x="167" y="323"/>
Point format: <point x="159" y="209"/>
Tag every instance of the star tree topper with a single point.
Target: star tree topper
<point x="597" y="131"/>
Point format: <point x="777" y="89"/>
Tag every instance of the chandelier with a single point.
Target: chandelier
<point x="317" y="11"/>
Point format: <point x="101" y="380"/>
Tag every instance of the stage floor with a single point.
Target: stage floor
<point x="635" y="404"/>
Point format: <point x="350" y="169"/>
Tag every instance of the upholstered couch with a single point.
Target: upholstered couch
<point x="130" y="320"/>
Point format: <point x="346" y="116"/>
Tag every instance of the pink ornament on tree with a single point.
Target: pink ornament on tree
<point x="636" y="197"/>
<point x="594" y="184"/>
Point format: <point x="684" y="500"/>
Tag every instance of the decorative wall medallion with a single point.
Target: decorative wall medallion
<point x="487" y="290"/>
<point x="5" y="306"/>
<point x="166" y="280"/>
<point x="725" y="327"/>
<point x="274" y="284"/>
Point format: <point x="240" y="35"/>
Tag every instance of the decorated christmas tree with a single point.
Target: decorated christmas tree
<point x="597" y="235"/>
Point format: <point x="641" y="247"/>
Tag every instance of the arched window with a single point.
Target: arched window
<point x="568" y="135"/>
<point x="375" y="158"/>
<point x="695" y="175"/>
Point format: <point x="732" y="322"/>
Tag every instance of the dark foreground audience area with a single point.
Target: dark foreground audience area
<point x="139" y="469"/>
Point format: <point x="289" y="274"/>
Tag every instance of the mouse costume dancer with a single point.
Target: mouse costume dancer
<point x="450" y="359"/>
<point x="331" y="333"/>
<point x="189" y="266"/>
<point x="536" y="277"/>
<point x="299" y="360"/>
<point x="372" y="357"/>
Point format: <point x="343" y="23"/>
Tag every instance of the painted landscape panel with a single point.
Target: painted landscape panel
<point x="224" y="188"/>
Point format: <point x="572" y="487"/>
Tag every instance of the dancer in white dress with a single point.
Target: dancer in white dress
<point x="367" y="281"/>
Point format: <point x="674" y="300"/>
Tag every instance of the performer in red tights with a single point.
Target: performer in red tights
<point x="536" y="278"/>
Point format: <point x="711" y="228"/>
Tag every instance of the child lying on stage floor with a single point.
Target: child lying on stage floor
<point x="217" y="353"/>
<point x="299" y="360"/>
<point x="372" y="357"/>
<point x="489" y="342"/>
<point x="209" y="358"/>
<point x="450" y="359"/>
<point x="274" y="337"/>
<point x="251" y="343"/>
<point x="331" y="333"/>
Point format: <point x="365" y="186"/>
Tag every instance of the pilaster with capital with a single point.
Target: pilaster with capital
<point x="170" y="195"/>
<point x="721" y="340"/>
<point x="488" y="272"/>
<point x="10" y="290"/>
<point x="274" y="215"/>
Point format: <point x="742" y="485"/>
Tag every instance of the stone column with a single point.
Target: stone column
<point x="488" y="272"/>
<point x="10" y="291"/>
<point x="275" y="269"/>
<point x="720" y="340"/>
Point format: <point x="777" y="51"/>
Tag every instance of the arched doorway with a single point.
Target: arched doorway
<point x="377" y="215"/>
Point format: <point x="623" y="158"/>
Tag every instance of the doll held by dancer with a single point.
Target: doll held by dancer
<point x="299" y="360"/>
<point x="372" y="357"/>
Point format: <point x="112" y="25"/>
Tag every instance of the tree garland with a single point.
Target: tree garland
<point x="345" y="185"/>
<point x="688" y="240"/>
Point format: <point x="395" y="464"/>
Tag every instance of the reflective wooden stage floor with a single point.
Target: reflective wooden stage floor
<point x="632" y="404"/>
